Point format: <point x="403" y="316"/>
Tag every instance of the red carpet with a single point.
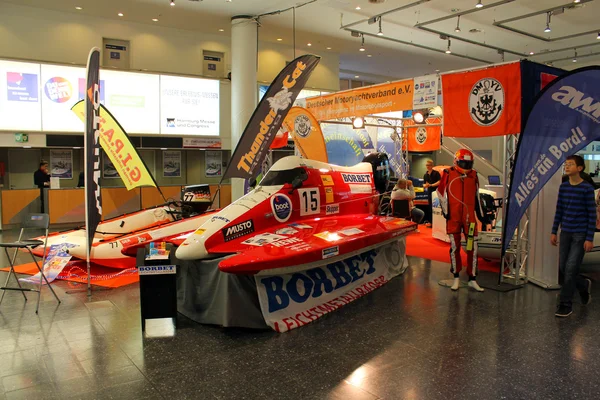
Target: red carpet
<point x="424" y="246"/>
<point x="76" y="272"/>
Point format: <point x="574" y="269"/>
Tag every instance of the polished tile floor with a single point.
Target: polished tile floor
<point x="411" y="339"/>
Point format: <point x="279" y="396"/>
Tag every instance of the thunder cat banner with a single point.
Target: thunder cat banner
<point x="93" y="199"/>
<point x="564" y="119"/>
<point x="120" y="151"/>
<point x="267" y="118"/>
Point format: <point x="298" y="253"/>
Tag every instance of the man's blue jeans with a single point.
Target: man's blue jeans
<point x="570" y="256"/>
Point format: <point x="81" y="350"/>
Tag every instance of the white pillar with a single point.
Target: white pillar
<point x="244" y="84"/>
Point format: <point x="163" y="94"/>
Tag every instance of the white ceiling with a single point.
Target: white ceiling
<point x="392" y="56"/>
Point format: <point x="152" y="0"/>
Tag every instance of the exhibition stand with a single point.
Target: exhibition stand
<point x="284" y="299"/>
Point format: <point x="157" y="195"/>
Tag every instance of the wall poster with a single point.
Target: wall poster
<point x="61" y="164"/>
<point x="108" y="169"/>
<point x="213" y="161"/>
<point x="171" y="164"/>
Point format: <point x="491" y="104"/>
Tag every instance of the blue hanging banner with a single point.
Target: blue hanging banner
<point x="564" y="119"/>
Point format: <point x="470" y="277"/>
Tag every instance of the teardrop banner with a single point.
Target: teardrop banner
<point x="266" y="120"/>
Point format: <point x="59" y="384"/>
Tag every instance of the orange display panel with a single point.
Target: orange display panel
<point x="66" y="206"/>
<point x="17" y="203"/>
<point x="151" y="197"/>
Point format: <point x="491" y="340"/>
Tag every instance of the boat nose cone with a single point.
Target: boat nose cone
<point x="192" y="249"/>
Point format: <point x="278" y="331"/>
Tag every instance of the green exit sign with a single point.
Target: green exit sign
<point x="21" y="137"/>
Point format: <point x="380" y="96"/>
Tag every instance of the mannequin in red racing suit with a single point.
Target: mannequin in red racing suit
<point x="459" y="196"/>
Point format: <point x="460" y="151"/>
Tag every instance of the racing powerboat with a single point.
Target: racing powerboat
<point x="117" y="239"/>
<point x="304" y="213"/>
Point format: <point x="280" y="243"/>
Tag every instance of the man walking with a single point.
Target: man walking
<point x="576" y="216"/>
<point x="432" y="180"/>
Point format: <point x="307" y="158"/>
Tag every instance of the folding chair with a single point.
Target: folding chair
<point x="400" y="208"/>
<point x="33" y="221"/>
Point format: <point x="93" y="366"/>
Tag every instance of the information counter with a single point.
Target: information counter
<point x="67" y="205"/>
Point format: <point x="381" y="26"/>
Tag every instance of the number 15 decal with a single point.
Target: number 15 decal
<point x="310" y="201"/>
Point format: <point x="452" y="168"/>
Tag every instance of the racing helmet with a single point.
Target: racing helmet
<point x="463" y="159"/>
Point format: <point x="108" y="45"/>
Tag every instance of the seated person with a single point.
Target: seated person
<point x="404" y="191"/>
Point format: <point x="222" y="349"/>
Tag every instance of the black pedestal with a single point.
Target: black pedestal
<point x="158" y="287"/>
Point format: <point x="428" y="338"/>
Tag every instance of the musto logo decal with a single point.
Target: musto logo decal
<point x="282" y="207"/>
<point x="238" y="230"/>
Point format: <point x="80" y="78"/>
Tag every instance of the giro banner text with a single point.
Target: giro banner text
<point x="120" y="151"/>
<point x="291" y="300"/>
<point x="564" y="119"/>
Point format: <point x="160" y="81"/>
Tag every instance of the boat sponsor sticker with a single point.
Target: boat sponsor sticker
<point x="286" y="231"/>
<point x="199" y="231"/>
<point x="292" y="244"/>
<point x="327" y="180"/>
<point x="263" y="238"/>
<point x="329" y="195"/>
<point x="220" y="218"/>
<point x="300" y="225"/>
<point x="357" y="178"/>
<point x="282" y="207"/>
<point x="331" y="252"/>
<point x="132" y="241"/>
<point x="238" y="230"/>
<point x="331" y="209"/>
<point x="351" y="231"/>
<point x="361" y="189"/>
<point x="297" y="298"/>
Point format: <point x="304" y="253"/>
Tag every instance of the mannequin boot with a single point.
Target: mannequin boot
<point x="455" y="284"/>
<point x="474" y="285"/>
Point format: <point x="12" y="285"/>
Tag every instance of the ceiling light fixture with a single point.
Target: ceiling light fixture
<point x="362" y="45"/>
<point x="448" y="51"/>
<point x="221" y="30"/>
<point x="380" y="33"/>
<point x="457" y="29"/>
<point x="309" y="44"/>
<point x="531" y="53"/>
<point x="120" y="14"/>
<point x="279" y="39"/>
<point x="548" y="19"/>
<point x="155" y="19"/>
<point x="356" y="76"/>
<point x="576" y="1"/>
<point x="575" y="58"/>
<point x="172" y="3"/>
<point x="357" y="8"/>
<point x="369" y="55"/>
<point x="78" y="8"/>
<point x="479" y="4"/>
<point x="358" y="123"/>
<point x="328" y="48"/>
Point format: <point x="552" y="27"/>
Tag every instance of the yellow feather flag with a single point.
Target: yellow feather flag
<point x="118" y="148"/>
<point x="307" y="134"/>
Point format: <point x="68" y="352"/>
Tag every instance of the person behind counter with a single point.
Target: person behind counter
<point x="41" y="179"/>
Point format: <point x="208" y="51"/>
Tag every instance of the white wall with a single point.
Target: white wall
<point x="45" y="35"/>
